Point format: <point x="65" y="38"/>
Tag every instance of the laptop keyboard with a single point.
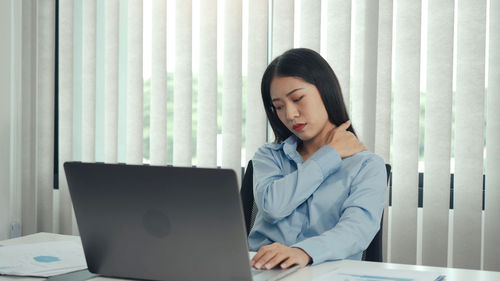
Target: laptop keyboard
<point x="273" y="274"/>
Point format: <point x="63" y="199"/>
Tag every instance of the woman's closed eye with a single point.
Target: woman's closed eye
<point x="298" y="99"/>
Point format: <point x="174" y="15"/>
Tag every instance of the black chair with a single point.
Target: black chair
<point x="374" y="250"/>
<point x="246" y="193"/>
<point x="372" y="253"/>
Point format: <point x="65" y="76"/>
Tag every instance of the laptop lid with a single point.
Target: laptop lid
<point x="159" y="223"/>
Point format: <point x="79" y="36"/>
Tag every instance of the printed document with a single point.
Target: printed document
<point x="361" y="273"/>
<point x="42" y="259"/>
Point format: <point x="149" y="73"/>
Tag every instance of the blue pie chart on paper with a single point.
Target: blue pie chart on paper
<point x="46" y="259"/>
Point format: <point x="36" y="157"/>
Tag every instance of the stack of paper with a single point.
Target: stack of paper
<point x="42" y="259"/>
<point x="351" y="273"/>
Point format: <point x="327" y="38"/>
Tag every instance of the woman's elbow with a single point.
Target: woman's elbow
<point x="272" y="211"/>
<point x="272" y="215"/>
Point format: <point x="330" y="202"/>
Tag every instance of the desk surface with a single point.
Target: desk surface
<point x="307" y="273"/>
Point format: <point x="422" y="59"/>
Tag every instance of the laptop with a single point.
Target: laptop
<point x="162" y="223"/>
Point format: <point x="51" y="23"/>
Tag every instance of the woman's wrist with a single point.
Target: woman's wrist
<point x="306" y="256"/>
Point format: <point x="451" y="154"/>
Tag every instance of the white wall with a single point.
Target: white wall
<point x="6" y="84"/>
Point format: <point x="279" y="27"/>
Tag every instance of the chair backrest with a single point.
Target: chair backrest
<point x="246" y="192"/>
<point x="372" y="253"/>
<point x="374" y="250"/>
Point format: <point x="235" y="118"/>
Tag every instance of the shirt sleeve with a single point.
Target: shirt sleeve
<point x="278" y="195"/>
<point x="360" y="219"/>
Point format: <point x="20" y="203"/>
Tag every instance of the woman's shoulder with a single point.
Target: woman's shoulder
<point x="290" y="142"/>
<point x="278" y="148"/>
<point x="271" y="146"/>
<point x="269" y="150"/>
<point x="364" y="159"/>
<point x="368" y="155"/>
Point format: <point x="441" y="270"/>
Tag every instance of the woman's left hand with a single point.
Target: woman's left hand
<point x="270" y="256"/>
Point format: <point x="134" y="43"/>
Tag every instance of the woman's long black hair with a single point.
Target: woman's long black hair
<point x="309" y="66"/>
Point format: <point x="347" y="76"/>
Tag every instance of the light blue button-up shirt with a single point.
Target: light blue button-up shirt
<point x="327" y="206"/>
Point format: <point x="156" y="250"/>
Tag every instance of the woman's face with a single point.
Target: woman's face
<point x="300" y="107"/>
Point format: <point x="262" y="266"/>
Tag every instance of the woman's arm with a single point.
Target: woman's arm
<point x="360" y="220"/>
<point x="278" y="195"/>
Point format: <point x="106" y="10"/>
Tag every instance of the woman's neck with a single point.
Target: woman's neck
<point x="309" y="147"/>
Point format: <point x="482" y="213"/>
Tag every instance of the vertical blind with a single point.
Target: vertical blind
<point x="310" y="24"/>
<point x="232" y="86"/>
<point x="134" y="82"/>
<point x="405" y="91"/>
<point x="338" y="42"/>
<point x="183" y="83"/>
<point x="44" y="117"/>
<point x="255" y="131"/>
<point x="438" y="106"/>
<point x="158" y="123"/>
<point x="282" y="21"/>
<point x="469" y="133"/>
<point x="492" y="208"/>
<point x="28" y="147"/>
<point x="383" y="101"/>
<point x="206" y="142"/>
<point x="364" y="69"/>
<point x="65" y="108"/>
<point x="406" y="83"/>
<point x="111" y="76"/>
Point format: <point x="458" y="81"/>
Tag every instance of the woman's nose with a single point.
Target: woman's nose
<point x="291" y="112"/>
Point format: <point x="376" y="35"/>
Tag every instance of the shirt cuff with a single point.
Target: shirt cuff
<point x="314" y="249"/>
<point x="328" y="160"/>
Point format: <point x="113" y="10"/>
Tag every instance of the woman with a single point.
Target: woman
<point x="319" y="193"/>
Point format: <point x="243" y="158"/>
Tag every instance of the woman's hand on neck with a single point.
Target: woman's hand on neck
<point x="345" y="142"/>
<point x="309" y="147"/>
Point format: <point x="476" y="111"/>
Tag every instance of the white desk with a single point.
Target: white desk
<point x="307" y="273"/>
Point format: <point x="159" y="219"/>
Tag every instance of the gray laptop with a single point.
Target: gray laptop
<point x="161" y="223"/>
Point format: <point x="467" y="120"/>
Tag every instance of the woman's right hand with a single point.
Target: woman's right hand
<point x="345" y="142"/>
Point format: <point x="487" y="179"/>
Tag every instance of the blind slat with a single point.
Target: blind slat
<point x="88" y="133"/>
<point x="405" y="131"/>
<point x="100" y="76"/>
<point x="469" y="120"/>
<point x="257" y="55"/>
<point x="338" y="42"/>
<point x="383" y="101"/>
<point x="28" y="197"/>
<point x="364" y="72"/>
<point x="232" y="87"/>
<point x="183" y="84"/>
<point x="384" y="82"/>
<point x="282" y="29"/>
<point x="7" y="111"/>
<point x="65" y="109"/>
<point x="206" y="141"/>
<point x="111" y="51"/>
<point x="134" y="83"/>
<point x="438" y="133"/>
<point x="158" y="114"/>
<point x="492" y="208"/>
<point x="282" y="35"/>
<point x="45" y="115"/>
<point x="310" y="24"/>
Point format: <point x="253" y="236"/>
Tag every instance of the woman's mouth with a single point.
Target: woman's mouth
<point x="298" y="127"/>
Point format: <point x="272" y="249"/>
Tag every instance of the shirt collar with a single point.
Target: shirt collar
<point x="290" y="148"/>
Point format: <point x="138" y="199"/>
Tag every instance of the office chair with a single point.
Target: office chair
<point x="372" y="253"/>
